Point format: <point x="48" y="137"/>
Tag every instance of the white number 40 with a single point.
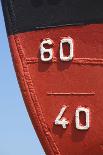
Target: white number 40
<point x="64" y="122"/>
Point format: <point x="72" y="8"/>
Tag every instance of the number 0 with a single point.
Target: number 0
<point x="77" y="118"/>
<point x="69" y="41"/>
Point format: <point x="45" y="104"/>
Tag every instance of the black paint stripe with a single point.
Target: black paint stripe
<point x="28" y="15"/>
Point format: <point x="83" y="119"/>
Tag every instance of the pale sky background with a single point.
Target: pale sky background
<point x="17" y="136"/>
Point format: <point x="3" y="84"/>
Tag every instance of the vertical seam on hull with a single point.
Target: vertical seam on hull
<point x="29" y="84"/>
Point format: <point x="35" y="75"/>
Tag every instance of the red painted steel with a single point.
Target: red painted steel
<point x="47" y="86"/>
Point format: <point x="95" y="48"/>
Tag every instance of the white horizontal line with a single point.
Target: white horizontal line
<point x="71" y="93"/>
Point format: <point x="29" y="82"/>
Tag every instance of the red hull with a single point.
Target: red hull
<point x="47" y="86"/>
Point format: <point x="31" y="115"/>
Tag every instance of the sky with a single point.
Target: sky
<point x="17" y="136"/>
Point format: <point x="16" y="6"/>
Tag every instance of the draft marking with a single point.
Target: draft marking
<point x="70" y="93"/>
<point x="62" y="120"/>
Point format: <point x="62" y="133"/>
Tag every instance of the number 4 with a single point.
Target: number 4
<point x="62" y="121"/>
